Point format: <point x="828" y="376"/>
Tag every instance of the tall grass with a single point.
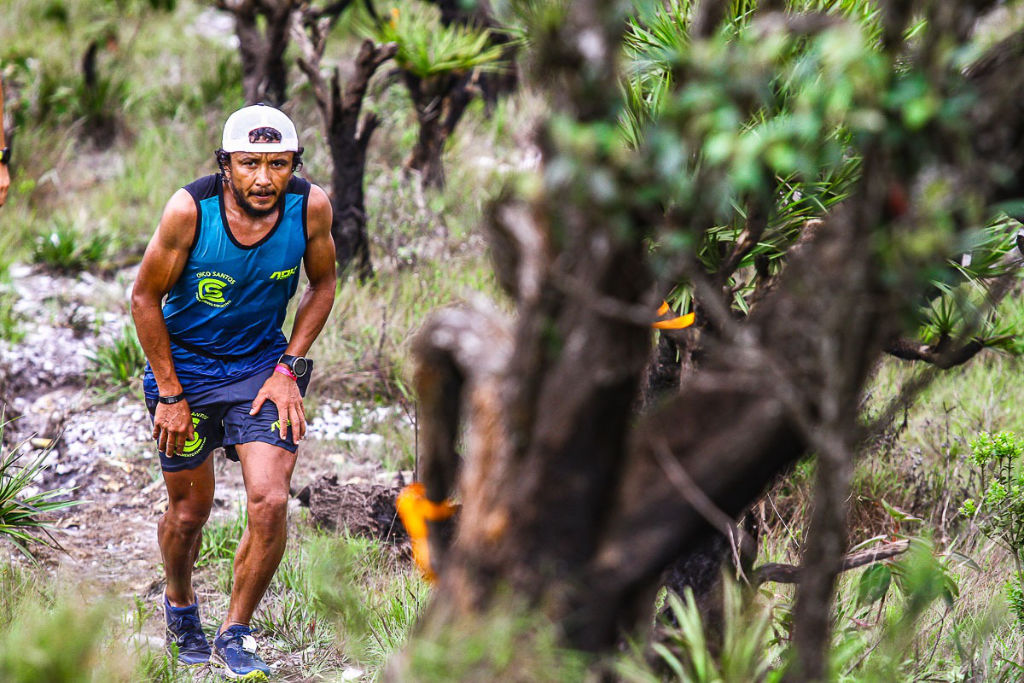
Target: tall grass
<point x="372" y="601"/>
<point x="168" y="101"/>
<point x="508" y="643"/>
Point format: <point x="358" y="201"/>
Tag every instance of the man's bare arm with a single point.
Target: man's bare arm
<point x="318" y="299"/>
<point x="161" y="267"/>
<point x="314" y="307"/>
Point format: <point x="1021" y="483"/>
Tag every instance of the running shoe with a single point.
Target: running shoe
<point x="186" y="632"/>
<point x="235" y="650"/>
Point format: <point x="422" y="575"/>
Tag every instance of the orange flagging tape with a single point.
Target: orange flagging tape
<point x="415" y="510"/>
<point x="678" y="323"/>
<point x="682" y="322"/>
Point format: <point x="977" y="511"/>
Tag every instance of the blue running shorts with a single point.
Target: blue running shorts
<point x="220" y="417"/>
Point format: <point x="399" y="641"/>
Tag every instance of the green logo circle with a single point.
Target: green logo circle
<point x="195" y="444"/>
<point x="210" y="290"/>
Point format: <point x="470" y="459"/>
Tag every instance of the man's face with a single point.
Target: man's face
<point x="259" y="179"/>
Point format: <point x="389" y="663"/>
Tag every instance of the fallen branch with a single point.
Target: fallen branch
<point x="942" y="355"/>
<point x="788" y="573"/>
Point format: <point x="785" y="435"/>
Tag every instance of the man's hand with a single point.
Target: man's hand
<point x="284" y="393"/>
<point x="172" y="427"/>
<point x="5" y="182"/>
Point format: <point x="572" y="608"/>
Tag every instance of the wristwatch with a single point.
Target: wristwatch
<point x="5" y="156"/>
<point x="298" y="364"/>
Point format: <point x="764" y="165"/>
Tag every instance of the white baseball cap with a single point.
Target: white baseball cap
<point x="259" y="128"/>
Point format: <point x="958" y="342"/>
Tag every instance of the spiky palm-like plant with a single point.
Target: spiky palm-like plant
<point x="439" y="63"/>
<point x="23" y="515"/>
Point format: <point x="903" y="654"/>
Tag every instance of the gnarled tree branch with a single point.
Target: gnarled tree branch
<point x="348" y="136"/>
<point x="788" y="573"/>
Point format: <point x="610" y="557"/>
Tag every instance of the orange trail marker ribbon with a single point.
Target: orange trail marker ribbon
<point x="415" y="510"/>
<point x="677" y="323"/>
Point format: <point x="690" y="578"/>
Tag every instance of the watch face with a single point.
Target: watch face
<point x="299" y="366"/>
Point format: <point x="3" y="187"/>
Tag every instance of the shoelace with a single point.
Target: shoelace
<point x="189" y="634"/>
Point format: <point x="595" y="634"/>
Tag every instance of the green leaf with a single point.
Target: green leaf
<point x="874" y="584"/>
<point x="669" y="658"/>
<point x="965" y="560"/>
<point x="899" y="515"/>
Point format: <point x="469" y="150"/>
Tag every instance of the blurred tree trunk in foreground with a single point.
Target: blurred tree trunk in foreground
<point x="571" y="504"/>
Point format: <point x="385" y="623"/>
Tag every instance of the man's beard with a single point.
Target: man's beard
<point x="249" y="209"/>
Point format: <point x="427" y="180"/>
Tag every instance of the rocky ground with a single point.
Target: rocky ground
<point x="99" y="443"/>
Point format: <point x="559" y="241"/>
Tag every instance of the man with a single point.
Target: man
<point x="226" y="254"/>
<point x="5" y="152"/>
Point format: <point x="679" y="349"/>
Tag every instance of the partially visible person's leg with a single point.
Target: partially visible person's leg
<point x="180" y="530"/>
<point x="267" y="471"/>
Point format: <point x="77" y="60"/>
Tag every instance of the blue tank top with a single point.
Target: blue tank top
<point x="224" y="314"/>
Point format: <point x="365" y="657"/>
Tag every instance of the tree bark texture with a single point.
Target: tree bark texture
<point x="440" y="102"/>
<point x="262" y="48"/>
<point x="348" y="135"/>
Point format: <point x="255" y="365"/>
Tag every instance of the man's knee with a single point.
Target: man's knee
<point x="267" y="509"/>
<point x="186" y="517"/>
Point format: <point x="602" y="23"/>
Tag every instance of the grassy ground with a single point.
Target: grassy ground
<point x="166" y="83"/>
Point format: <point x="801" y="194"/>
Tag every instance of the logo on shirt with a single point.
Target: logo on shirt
<point x="283" y="274"/>
<point x="211" y="288"/>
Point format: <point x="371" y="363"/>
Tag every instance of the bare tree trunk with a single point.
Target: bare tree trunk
<point x="101" y="123"/>
<point x="822" y="563"/>
<point x="264" y="72"/>
<point x="348" y="135"/>
<point x="440" y="102"/>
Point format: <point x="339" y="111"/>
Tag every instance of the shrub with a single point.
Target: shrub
<point x="9" y="318"/>
<point x="119" y="362"/>
<point x="999" y="512"/>
<point x="428" y="48"/>
<point x="58" y="645"/>
<point x="67" y="250"/>
<point x="22" y="514"/>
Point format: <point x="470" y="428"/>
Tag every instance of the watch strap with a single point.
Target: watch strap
<point x="169" y="400"/>
<point x="283" y="369"/>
